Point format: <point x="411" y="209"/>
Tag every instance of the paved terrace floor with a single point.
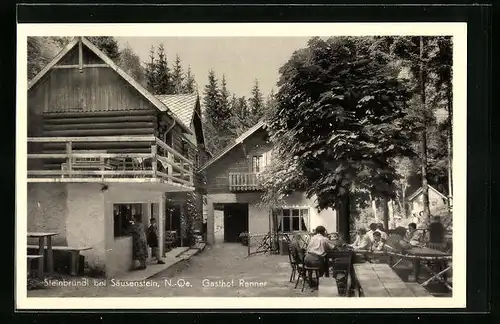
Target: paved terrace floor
<point x="222" y="263"/>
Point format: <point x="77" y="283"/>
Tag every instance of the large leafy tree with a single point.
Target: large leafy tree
<point x="107" y="44"/>
<point x="131" y="63"/>
<point x="338" y="122"/>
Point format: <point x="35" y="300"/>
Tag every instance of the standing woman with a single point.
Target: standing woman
<point x="139" y="242"/>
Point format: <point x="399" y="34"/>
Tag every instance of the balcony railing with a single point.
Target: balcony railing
<point x="106" y="158"/>
<point x="244" y="181"/>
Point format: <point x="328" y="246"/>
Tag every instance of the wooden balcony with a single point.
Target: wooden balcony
<point x="108" y="159"/>
<point x="244" y="182"/>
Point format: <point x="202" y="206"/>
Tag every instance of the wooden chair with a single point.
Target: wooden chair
<point x="306" y="273"/>
<point x="294" y="263"/>
<point x="342" y="264"/>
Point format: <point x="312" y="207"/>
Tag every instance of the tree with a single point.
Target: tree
<point x="440" y="66"/>
<point x="107" y="44"/>
<point x="242" y="120"/>
<point x="130" y="63"/>
<point x="177" y="76"/>
<point x="217" y="115"/>
<point x="340" y="119"/>
<point x="162" y="73"/>
<point x="225" y="105"/>
<point x="256" y="103"/>
<point x="189" y="82"/>
<point x="150" y="75"/>
<point x="41" y="50"/>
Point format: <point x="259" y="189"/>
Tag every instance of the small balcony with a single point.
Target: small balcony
<point x="239" y="182"/>
<point x="108" y="159"/>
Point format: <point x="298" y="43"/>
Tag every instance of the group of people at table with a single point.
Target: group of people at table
<point x="373" y="240"/>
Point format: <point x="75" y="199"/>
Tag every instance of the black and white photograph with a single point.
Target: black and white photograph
<point x="304" y="163"/>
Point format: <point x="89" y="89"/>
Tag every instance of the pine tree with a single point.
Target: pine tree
<point x="189" y="82"/>
<point x="256" y="103"/>
<point x="224" y="97"/>
<point x="163" y="75"/>
<point x="151" y="72"/>
<point x="177" y="76"/>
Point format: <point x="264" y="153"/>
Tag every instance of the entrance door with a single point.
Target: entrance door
<point x="235" y="221"/>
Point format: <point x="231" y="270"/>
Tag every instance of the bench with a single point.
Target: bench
<point x="380" y="280"/>
<point x="74" y="252"/>
<point x="328" y="287"/>
<point x="418" y="290"/>
<point x="35" y="257"/>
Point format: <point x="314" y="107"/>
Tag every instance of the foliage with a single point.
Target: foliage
<point x="340" y="117"/>
<point x="41" y="50"/>
<point x="107" y="44"/>
<point x="256" y="104"/>
<point x="189" y="82"/>
<point x="217" y="114"/>
<point x="131" y="64"/>
<point x="177" y="76"/>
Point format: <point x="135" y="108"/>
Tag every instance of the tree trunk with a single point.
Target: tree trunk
<point x="385" y="208"/>
<point x="423" y="142"/>
<point x="344" y="218"/>
<point x="374" y="207"/>
<point x="450" y="146"/>
<point x="405" y="207"/>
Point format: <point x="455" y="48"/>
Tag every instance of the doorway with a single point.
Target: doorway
<point x="235" y="221"/>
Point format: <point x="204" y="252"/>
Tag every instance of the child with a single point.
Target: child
<point x="377" y="244"/>
<point x="152" y="238"/>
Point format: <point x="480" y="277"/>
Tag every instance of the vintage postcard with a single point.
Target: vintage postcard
<point x="178" y="166"/>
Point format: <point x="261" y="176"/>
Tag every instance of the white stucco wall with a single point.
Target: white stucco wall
<point x="85" y="221"/>
<point x="82" y="214"/>
<point x="258" y="217"/>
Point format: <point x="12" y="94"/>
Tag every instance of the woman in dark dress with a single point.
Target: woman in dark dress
<point x="139" y="242"/>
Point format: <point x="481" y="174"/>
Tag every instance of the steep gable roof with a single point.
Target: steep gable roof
<point x="150" y="97"/>
<point x="420" y="190"/>
<point x="236" y="142"/>
<point x="183" y="105"/>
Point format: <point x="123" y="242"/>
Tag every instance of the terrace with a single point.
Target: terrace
<point x="135" y="160"/>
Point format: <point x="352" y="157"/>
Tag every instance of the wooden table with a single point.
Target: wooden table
<point x="419" y="254"/>
<point x="379" y="280"/>
<point x="42" y="237"/>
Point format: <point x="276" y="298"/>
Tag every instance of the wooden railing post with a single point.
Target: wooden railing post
<point x="69" y="160"/>
<point x="169" y="168"/>
<point x="154" y="160"/>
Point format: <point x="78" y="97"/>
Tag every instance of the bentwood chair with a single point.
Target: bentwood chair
<point x="295" y="263"/>
<point x="306" y="274"/>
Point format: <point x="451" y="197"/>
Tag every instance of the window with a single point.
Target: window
<point x="122" y="215"/>
<point x="257" y="163"/>
<point x="293" y="219"/>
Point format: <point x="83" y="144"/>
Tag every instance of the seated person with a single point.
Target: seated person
<point x="362" y="241"/>
<point x="373" y="228"/>
<point x="413" y="236"/>
<point x="377" y="243"/>
<point x="381" y="230"/>
<point x="395" y="241"/>
<point x="317" y="250"/>
<point x="436" y="234"/>
<point x="297" y="248"/>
